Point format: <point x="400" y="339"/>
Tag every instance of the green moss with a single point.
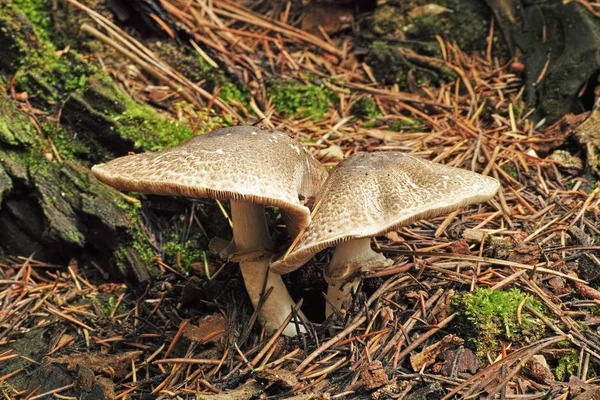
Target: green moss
<point x="65" y="143"/>
<point x="488" y="316"/>
<point x="402" y="124"/>
<point x="107" y="303"/>
<point x="371" y="124"/>
<point x="44" y="69"/>
<point x="139" y="241"/>
<point x="140" y="245"/>
<point x="388" y="64"/>
<point x="511" y="170"/>
<point x="387" y="19"/>
<point x="15" y="129"/>
<point x="54" y="81"/>
<point x="37" y="12"/>
<point x="230" y="92"/>
<point x="194" y="67"/>
<point x="305" y="100"/>
<point x="150" y="131"/>
<point x="188" y="253"/>
<point x="468" y="24"/>
<point x="425" y="25"/>
<point x="365" y="107"/>
<point x="567" y="365"/>
<point x="135" y="238"/>
<point x="45" y="73"/>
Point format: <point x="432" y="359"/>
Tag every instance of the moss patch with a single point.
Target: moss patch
<point x="182" y="254"/>
<point x="15" y="129"/>
<point x="194" y="67"/>
<point x="148" y="130"/>
<point x="567" y="365"/>
<point x="389" y="66"/>
<point x="47" y="75"/>
<point x="65" y="144"/>
<point x="487" y="317"/>
<point x="107" y="303"/>
<point x="303" y="100"/>
<point x="37" y="12"/>
<point x="468" y="24"/>
<point x="230" y="92"/>
<point x="403" y="124"/>
<point x="387" y="19"/>
<point x="365" y="108"/>
<point x="511" y="170"/>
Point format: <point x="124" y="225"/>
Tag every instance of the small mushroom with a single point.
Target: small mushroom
<point x="368" y="195"/>
<point x="250" y="167"/>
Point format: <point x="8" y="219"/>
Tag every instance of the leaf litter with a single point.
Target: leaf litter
<point x="538" y="236"/>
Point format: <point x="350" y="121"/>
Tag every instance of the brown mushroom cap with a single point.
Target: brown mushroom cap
<point x="370" y="194"/>
<point x="241" y="163"/>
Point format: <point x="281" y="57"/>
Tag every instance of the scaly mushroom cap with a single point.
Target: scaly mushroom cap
<point x="241" y="163"/>
<point x="370" y="194"/>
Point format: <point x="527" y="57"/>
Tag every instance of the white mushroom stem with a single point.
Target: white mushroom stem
<point x="251" y="236"/>
<point x="348" y="258"/>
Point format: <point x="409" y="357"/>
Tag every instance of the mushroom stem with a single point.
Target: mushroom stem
<point x="349" y="258"/>
<point x="251" y="237"/>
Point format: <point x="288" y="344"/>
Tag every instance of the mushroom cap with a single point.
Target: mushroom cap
<point x="370" y="194"/>
<point x="241" y="163"/>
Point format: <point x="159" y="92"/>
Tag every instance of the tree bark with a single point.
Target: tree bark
<point x="68" y="116"/>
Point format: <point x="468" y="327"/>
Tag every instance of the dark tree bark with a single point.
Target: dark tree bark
<point x="50" y="204"/>
<point x="559" y="45"/>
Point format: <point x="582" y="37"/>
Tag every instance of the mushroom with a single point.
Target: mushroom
<point x="250" y="167"/>
<point x="368" y="195"/>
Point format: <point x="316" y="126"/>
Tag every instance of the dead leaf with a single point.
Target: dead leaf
<point x="577" y="387"/>
<point x="592" y="394"/>
<point x="526" y="254"/>
<point x="85" y="378"/>
<point x="429" y="9"/>
<point x="329" y="17"/>
<point x="331" y="153"/>
<point x="21" y="96"/>
<point x="247" y="391"/>
<point x="456" y="362"/>
<point x="209" y="329"/>
<point x="589" y="130"/>
<point x="373" y="375"/>
<point x="459" y="247"/>
<point x="474" y="235"/>
<point x="282" y="378"/>
<point x="117" y="365"/>
<point x="556" y="134"/>
<point x="537" y="369"/>
<point x="394" y="237"/>
<point x="429" y="354"/>
<point x="110" y="287"/>
<point x="567" y="161"/>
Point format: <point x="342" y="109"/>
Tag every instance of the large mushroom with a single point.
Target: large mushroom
<point x="368" y="195"/>
<point x="250" y="167"/>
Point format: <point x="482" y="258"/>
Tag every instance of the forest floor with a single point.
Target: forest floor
<point x="497" y="300"/>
